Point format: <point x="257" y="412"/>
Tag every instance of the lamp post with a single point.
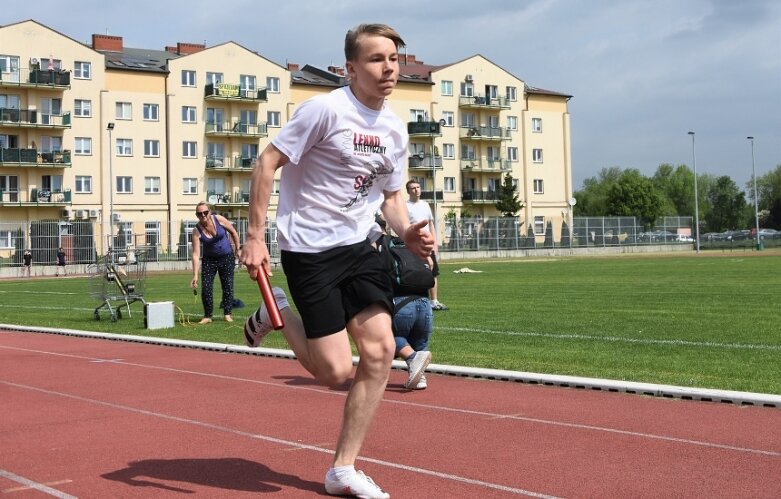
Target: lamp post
<point x="696" y="200"/>
<point x="110" y="128"/>
<point x="756" y="199"/>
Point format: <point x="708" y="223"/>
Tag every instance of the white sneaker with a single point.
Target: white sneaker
<point x="417" y="367"/>
<point x="258" y="325"/>
<point x="438" y="305"/>
<point x="422" y="384"/>
<point x="355" y="484"/>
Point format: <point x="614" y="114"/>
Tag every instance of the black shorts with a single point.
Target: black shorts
<point x="434" y="264"/>
<point x="332" y="287"/>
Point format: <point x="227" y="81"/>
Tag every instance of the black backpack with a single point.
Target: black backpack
<point x="410" y="274"/>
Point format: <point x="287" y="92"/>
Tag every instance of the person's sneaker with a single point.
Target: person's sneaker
<point x="422" y="384"/>
<point x="258" y="325"/>
<point x="438" y="305"/>
<point x="355" y="484"/>
<point x="417" y="364"/>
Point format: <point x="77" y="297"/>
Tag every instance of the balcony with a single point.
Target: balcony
<point x="35" y="158"/>
<point x="234" y="92"/>
<point x="237" y="163"/>
<point x="37" y="197"/>
<point x="485" y="165"/>
<point x="484" y="133"/>
<point x="34" y="77"/>
<point x="429" y="195"/>
<point x="425" y="163"/>
<point x="424" y="129"/>
<point x="32" y="118"/>
<point x="237" y="129"/>
<point x="228" y="199"/>
<point x="483" y="102"/>
<point x="479" y="197"/>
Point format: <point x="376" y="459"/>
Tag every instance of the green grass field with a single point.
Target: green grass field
<point x="709" y="321"/>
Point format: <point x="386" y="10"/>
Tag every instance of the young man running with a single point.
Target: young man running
<point x="344" y="154"/>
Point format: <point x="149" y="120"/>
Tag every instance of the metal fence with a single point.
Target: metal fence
<point x="171" y="241"/>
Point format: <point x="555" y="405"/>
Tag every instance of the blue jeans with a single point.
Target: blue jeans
<point x="413" y="324"/>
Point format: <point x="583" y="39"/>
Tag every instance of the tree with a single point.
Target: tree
<point x="508" y="202"/>
<point x="677" y="187"/>
<point x="728" y="206"/>
<point x="769" y="194"/>
<point x="635" y="195"/>
<point x="592" y="199"/>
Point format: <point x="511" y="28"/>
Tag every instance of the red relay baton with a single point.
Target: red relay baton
<point x="268" y="299"/>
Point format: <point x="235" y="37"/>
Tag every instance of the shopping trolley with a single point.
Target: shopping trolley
<point x="117" y="280"/>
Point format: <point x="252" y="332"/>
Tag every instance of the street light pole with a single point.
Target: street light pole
<point x="756" y="199"/>
<point x="696" y="200"/>
<point x="110" y="128"/>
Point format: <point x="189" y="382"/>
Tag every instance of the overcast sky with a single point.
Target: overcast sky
<point x="642" y="73"/>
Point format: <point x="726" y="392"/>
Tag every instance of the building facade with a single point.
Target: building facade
<point x="129" y="140"/>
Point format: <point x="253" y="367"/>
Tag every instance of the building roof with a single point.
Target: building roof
<point x="139" y="59"/>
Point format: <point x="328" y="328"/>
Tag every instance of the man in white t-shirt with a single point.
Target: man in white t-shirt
<point x="343" y="155"/>
<point x="419" y="210"/>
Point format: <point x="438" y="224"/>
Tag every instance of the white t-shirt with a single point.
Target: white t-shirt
<point x="418" y="211"/>
<point x="343" y="155"/>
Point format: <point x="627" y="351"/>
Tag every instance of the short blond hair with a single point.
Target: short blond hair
<point x="351" y="47"/>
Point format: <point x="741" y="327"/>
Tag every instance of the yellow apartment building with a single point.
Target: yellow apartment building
<point x="124" y="142"/>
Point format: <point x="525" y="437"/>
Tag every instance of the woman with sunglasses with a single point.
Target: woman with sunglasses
<point x="220" y="245"/>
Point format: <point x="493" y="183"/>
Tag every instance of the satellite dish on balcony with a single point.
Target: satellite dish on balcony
<point x="442" y="122"/>
<point x="572" y="201"/>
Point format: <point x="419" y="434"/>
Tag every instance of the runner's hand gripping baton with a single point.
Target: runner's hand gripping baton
<point x="268" y="299"/>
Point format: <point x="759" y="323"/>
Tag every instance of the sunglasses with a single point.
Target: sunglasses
<point x="202" y="213"/>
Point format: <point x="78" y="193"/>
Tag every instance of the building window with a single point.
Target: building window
<point x="151" y="185"/>
<point x="124" y="147"/>
<point x="417" y="114"/>
<point x="275" y="186"/>
<point x="272" y="84"/>
<point x="247" y="85"/>
<point x="152" y="148"/>
<point x="539" y="186"/>
<point x="468" y="120"/>
<point x="512" y="153"/>
<point x="125" y="185"/>
<point x="537" y="155"/>
<point x="537" y="125"/>
<point x="189" y="149"/>
<point x="512" y="122"/>
<point x="273" y="118"/>
<point x="512" y="94"/>
<point x="446" y="87"/>
<point x="83" y="184"/>
<point x="448" y="151"/>
<point x="124" y="111"/>
<point x="213" y="78"/>
<point x="82" y="70"/>
<point x="539" y="225"/>
<point x="188" y="114"/>
<point x="189" y="186"/>
<point x="467" y="89"/>
<point x="188" y="78"/>
<point x="82" y="108"/>
<point x="450" y="184"/>
<point x="82" y="146"/>
<point x="151" y="112"/>
<point x="449" y="117"/>
<point x="7" y="239"/>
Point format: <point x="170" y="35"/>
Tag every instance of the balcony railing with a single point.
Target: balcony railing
<point x="56" y="79"/>
<point x="485" y="164"/>
<point x="34" y="157"/>
<point x="424" y="129"/>
<point x="425" y="163"/>
<point x="33" y="118"/>
<point x="429" y="195"/>
<point x="36" y="197"/>
<point x="484" y="102"/>
<point x="478" y="196"/>
<point x="233" y="91"/>
<point x="227" y="199"/>
<point x="484" y="133"/>
<point x="235" y="163"/>
<point x="237" y="129"/>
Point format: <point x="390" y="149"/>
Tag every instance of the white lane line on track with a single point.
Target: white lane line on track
<point x="35" y="485"/>
<point x="616" y="431"/>
<point x="279" y="441"/>
<point x="619" y="339"/>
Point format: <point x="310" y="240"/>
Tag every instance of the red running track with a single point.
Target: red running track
<point x="93" y="418"/>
